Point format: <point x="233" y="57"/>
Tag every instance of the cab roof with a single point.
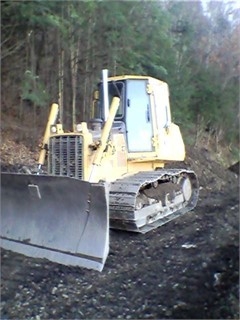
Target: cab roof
<point x="129" y="77"/>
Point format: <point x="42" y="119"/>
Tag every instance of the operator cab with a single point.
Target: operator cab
<point x="135" y="114"/>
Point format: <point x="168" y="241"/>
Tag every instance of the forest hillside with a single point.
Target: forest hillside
<point x="54" y="51"/>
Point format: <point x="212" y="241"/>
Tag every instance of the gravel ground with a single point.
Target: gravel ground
<point x="187" y="269"/>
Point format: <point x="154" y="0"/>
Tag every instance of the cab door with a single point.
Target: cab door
<point x="138" y="117"/>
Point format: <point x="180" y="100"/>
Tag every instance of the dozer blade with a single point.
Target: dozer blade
<point x="62" y="219"/>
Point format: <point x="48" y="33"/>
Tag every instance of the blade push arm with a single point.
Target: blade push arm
<point x="44" y="145"/>
<point x="104" y="138"/>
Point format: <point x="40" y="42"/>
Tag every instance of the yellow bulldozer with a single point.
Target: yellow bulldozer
<point x="107" y="173"/>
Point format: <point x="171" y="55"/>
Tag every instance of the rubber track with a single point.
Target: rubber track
<point x="123" y="195"/>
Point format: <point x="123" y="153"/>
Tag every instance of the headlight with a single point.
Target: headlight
<point x="53" y="129"/>
<point x="78" y="127"/>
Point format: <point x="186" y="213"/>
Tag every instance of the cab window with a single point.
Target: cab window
<point x="114" y="89"/>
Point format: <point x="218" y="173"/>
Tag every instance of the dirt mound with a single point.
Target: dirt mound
<point x="14" y="154"/>
<point x="211" y="174"/>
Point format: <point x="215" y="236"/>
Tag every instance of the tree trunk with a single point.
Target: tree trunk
<point x="60" y="77"/>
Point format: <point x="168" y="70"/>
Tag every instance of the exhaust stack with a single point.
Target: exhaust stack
<point x="105" y="93"/>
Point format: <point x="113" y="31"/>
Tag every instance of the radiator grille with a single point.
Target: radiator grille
<point x="65" y="156"/>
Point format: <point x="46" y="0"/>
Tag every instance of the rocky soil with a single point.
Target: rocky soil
<point x="187" y="269"/>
